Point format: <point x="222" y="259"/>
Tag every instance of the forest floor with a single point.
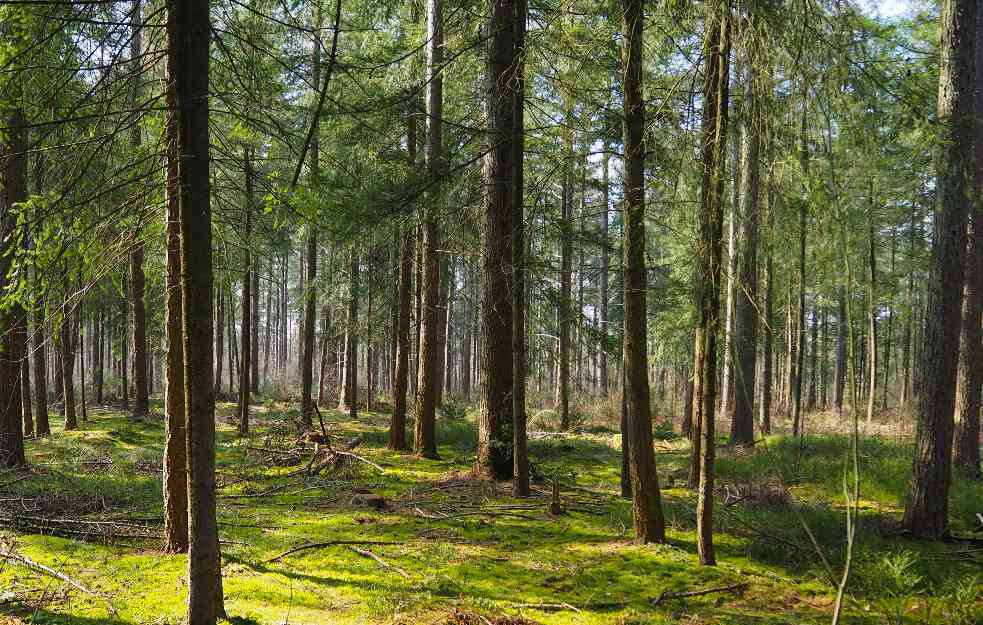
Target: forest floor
<point x="449" y="549"/>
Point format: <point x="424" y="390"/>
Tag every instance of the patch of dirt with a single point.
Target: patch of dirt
<point x="467" y="617"/>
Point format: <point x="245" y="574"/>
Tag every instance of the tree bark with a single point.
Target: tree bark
<point x="189" y="34"/>
<point x="709" y="230"/>
<point x="746" y="305"/>
<point x="646" y="498"/>
<point x="927" y="510"/>
<point x="520" y="453"/>
<point x="495" y="417"/>
<point x="12" y="319"/>
<point x="246" y="334"/>
<point x="175" y="475"/>
<point x="141" y="399"/>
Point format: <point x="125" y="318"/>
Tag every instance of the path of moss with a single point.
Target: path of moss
<point x="487" y="565"/>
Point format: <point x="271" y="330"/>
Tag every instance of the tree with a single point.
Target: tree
<point x="175" y="465"/>
<point x="14" y="175"/>
<point x="424" y="442"/>
<point x="520" y="465"/>
<point x="646" y="498"/>
<point x="708" y="256"/>
<point x="927" y="509"/>
<point x="495" y="417"/>
<point x="245" y="368"/>
<point x="746" y="305"/>
<point x="141" y="400"/>
<point x="188" y="36"/>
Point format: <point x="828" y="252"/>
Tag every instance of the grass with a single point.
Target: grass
<point x="494" y="554"/>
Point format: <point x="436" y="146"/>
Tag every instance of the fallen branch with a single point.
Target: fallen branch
<point x="357" y="457"/>
<point x="330" y="543"/>
<point x="667" y="596"/>
<point x="37" y="567"/>
<point x="368" y="554"/>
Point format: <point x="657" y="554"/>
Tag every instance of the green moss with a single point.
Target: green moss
<point x="493" y="559"/>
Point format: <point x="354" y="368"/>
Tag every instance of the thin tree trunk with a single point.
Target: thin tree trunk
<point x="245" y="386"/>
<point x="710" y="218"/>
<point x="520" y="464"/>
<point x="175" y="478"/>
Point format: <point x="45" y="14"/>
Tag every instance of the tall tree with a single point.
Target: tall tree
<point x="646" y="498"/>
<point x="175" y="473"/>
<point x="520" y="464"/>
<point x="746" y="304"/>
<point x="245" y="337"/>
<point x="495" y="417"/>
<point x="424" y="441"/>
<point x="708" y="258"/>
<point x="141" y="399"/>
<point x="927" y="510"/>
<point x="13" y="167"/>
<point x="188" y="36"/>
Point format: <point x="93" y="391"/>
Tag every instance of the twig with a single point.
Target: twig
<point x="330" y="543"/>
<point x="368" y="554"/>
<point x="47" y="570"/>
<point x="357" y="457"/>
<point x="667" y="596"/>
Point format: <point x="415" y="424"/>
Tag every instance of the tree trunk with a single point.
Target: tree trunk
<point x="520" y="453"/>
<point x="565" y="312"/>
<point x="709" y="227"/>
<point x="605" y="268"/>
<point x="12" y="319"/>
<point x="246" y="335"/>
<point x="40" y="373"/>
<point x="219" y="339"/>
<point x="646" y="498"/>
<point x="349" y="395"/>
<point x="188" y="23"/>
<point x="68" y="369"/>
<point x="175" y="476"/>
<point x="927" y="510"/>
<point x="872" y="329"/>
<point x="746" y="305"/>
<point x="141" y="400"/>
<point x="495" y="417"/>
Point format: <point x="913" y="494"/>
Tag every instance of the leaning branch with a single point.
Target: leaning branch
<point x="330" y="543"/>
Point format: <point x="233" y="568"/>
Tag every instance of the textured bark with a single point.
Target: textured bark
<point x="709" y="252"/>
<point x="219" y="338"/>
<point x="871" y="328"/>
<point x="254" y="329"/>
<point x="927" y="510"/>
<point x="397" y="426"/>
<point x="520" y="453"/>
<point x="13" y="171"/>
<point x="141" y="399"/>
<point x="424" y="435"/>
<point x="68" y="369"/>
<point x="189" y="34"/>
<point x="768" y="312"/>
<point x="495" y="417"/>
<point x="175" y="478"/>
<point x="309" y="290"/>
<point x="246" y="333"/>
<point x="349" y="394"/>
<point x="605" y="268"/>
<point x="839" y="379"/>
<point x="565" y="311"/>
<point x="25" y="385"/>
<point x="970" y="380"/>
<point x="646" y="499"/>
<point x="746" y="304"/>
<point x="43" y="427"/>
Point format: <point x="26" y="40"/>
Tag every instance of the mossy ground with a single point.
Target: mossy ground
<point x="492" y="554"/>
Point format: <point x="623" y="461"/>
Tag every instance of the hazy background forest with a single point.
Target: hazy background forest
<point x="491" y="312"/>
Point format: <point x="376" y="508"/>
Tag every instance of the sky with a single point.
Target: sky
<point x="886" y="8"/>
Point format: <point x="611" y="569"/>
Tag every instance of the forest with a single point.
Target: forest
<point x="491" y="312"/>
